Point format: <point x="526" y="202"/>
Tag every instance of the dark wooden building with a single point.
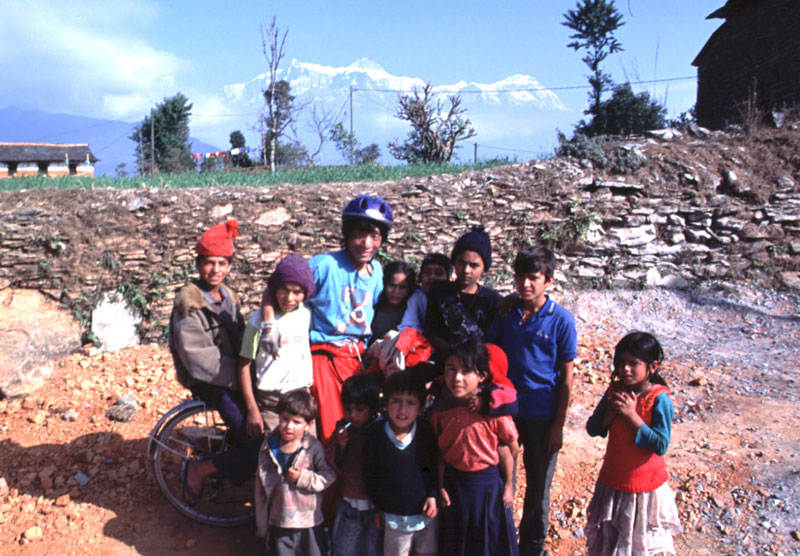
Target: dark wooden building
<point x="51" y="159"/>
<point x="755" y="54"/>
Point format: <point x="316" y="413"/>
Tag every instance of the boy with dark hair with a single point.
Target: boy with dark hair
<point x="463" y="309"/>
<point x="292" y="473"/>
<point x="354" y="530"/>
<point x="540" y="340"/>
<point x="435" y="267"/>
<point x="348" y="283"/>
<point x="205" y="333"/>
<point x="361" y="395"/>
<point x="298" y="403"/>
<point x="400" y="469"/>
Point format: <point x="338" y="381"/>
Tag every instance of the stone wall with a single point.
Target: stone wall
<point x="696" y="209"/>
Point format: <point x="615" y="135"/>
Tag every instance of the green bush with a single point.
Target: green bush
<point x="584" y="147"/>
<point x="625" y="113"/>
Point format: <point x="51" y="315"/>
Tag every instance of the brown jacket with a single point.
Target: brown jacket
<point x="204" y="347"/>
<point x="283" y="504"/>
<point x="349" y="463"/>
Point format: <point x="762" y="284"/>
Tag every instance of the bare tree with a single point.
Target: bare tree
<point x="349" y="147"/>
<point x="434" y="135"/>
<point x="318" y="121"/>
<point x="272" y="44"/>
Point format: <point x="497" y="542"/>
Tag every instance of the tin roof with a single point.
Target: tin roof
<point x="45" y="152"/>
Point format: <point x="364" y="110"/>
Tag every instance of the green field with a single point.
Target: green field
<point x="226" y="178"/>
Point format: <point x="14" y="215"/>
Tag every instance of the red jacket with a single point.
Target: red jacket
<point x="626" y="466"/>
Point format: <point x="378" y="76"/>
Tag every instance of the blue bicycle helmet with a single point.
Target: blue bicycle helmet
<point x="367" y="207"/>
<point x="368" y="211"/>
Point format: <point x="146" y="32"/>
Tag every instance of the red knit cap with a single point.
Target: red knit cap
<point x="218" y="240"/>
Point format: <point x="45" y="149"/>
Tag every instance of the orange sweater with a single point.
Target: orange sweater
<point x="626" y="466"/>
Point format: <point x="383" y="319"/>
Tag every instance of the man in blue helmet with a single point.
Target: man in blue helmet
<point x="348" y="284"/>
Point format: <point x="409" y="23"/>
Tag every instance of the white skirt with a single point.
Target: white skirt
<point x="632" y="523"/>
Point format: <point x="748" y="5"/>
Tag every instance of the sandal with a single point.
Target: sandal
<point x="188" y="496"/>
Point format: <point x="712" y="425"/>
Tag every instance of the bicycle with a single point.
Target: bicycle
<point x="193" y="430"/>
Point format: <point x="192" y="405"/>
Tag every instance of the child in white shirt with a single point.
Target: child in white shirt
<point x="290" y="284"/>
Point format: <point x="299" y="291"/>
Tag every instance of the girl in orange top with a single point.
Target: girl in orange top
<point x="475" y="517"/>
<point x="633" y="509"/>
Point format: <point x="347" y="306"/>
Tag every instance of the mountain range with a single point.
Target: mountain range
<point x="514" y="113"/>
<point x="329" y="83"/>
<point x="514" y="117"/>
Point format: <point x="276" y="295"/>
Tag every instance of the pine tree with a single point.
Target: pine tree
<point x="287" y="153"/>
<point x="347" y="143"/>
<point x="241" y="160"/>
<point x="594" y="23"/>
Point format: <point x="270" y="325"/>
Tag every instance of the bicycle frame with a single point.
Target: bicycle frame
<point x="153" y="442"/>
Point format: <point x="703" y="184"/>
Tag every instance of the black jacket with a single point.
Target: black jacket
<point x="398" y="481"/>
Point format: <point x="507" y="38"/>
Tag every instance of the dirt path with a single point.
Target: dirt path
<point x="734" y="464"/>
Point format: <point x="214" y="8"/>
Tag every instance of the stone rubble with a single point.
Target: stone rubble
<point x="734" y="484"/>
<point x="125" y="408"/>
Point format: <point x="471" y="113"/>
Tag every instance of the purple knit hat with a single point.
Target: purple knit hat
<point x="292" y="268"/>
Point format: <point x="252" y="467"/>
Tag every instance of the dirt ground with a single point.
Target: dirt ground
<point x="734" y="465"/>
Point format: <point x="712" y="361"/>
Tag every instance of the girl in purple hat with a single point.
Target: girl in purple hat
<point x="272" y="375"/>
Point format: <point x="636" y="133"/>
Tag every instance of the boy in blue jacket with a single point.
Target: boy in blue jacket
<point x="541" y="342"/>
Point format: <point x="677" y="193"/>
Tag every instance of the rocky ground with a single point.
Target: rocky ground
<point x="734" y="464"/>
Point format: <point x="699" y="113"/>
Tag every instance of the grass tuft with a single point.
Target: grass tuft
<point x="233" y="178"/>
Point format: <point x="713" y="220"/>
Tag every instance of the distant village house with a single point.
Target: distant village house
<point x="754" y="57"/>
<point x="50" y="159"/>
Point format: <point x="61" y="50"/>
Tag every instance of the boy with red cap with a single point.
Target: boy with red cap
<point x="205" y="334"/>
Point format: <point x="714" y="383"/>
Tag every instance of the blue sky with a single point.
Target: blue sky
<point x="115" y="59"/>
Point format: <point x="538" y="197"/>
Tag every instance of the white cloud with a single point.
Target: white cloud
<point x="83" y="58"/>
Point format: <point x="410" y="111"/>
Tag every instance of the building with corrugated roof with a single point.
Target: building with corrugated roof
<point x="50" y="159"/>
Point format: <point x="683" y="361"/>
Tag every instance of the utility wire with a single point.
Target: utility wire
<point x="528" y="90"/>
<point x="341" y="109"/>
<point x="507" y="149"/>
<point x="114" y="142"/>
<point x="525" y="90"/>
<point x="46" y="137"/>
<point x="378" y="103"/>
<point x="227" y="115"/>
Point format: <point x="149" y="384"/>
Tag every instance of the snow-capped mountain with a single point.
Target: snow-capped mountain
<point x="515" y="117"/>
<point x="517" y="112"/>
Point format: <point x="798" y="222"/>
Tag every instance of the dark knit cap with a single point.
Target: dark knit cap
<point x="475" y="240"/>
<point x="292" y="268"/>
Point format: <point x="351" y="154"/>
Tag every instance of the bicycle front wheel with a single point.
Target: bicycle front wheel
<point x="198" y="432"/>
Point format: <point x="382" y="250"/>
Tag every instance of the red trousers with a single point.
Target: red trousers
<point x="332" y="366"/>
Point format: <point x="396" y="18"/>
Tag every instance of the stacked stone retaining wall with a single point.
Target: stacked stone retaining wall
<point x="676" y="222"/>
